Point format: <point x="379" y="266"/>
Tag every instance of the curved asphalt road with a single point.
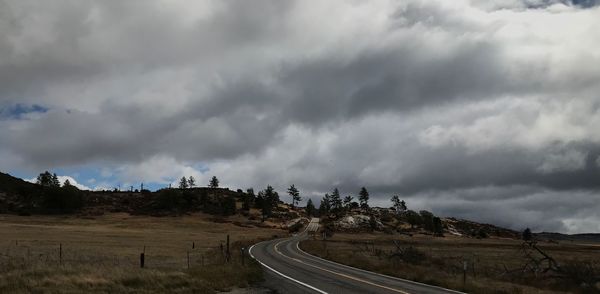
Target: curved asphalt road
<point x="291" y="270"/>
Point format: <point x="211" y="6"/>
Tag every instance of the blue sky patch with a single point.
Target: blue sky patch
<point x="19" y="111"/>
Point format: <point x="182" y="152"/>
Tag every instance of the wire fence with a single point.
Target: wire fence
<point x="32" y="254"/>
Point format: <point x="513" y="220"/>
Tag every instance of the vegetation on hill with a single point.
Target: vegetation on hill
<point x="345" y="214"/>
<point x="47" y="197"/>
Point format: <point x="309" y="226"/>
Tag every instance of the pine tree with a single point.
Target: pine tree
<point x="363" y="198"/>
<point x="191" y="182"/>
<point x="336" y="201"/>
<point x="399" y="205"/>
<point x="55" y="181"/>
<point x="67" y="183"/>
<point x="265" y="209"/>
<point x="310" y="208"/>
<point x="248" y="199"/>
<point x="295" y="194"/>
<point x="438" y="228"/>
<point x="271" y="196"/>
<point x="325" y="206"/>
<point x="183" y="183"/>
<point x="347" y="200"/>
<point x="45" y="179"/>
<point x="270" y="200"/>
<point x="214" y="182"/>
<point x="527" y="235"/>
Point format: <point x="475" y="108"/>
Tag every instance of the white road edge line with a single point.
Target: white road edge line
<point x="377" y="274"/>
<point x="287" y="277"/>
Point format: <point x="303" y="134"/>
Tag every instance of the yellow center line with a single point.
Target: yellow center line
<point x="336" y="273"/>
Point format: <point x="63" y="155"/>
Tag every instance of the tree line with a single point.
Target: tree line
<point x="185" y="183"/>
<point x="68" y="198"/>
<point x="333" y="205"/>
<point x="54" y="198"/>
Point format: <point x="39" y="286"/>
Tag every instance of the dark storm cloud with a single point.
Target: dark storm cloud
<point x="570" y="211"/>
<point x="586" y="3"/>
<point x="450" y="104"/>
<point x="393" y="80"/>
<point x="454" y="168"/>
<point x="74" y="41"/>
<point x="546" y="3"/>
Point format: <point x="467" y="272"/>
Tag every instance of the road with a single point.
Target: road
<point x="291" y="270"/>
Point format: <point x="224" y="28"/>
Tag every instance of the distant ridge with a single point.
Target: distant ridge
<point x="21" y="197"/>
<point x="10" y="184"/>
<point x="18" y="196"/>
<point x="586" y="237"/>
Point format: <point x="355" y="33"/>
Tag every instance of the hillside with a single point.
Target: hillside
<point x="10" y="185"/>
<point x="24" y="198"/>
<point x="21" y="197"/>
<point x="579" y="238"/>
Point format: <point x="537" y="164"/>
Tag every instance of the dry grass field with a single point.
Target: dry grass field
<point x="441" y="261"/>
<point x="102" y="254"/>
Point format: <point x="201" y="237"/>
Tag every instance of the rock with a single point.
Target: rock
<point x="356" y="222"/>
<point x="292" y="223"/>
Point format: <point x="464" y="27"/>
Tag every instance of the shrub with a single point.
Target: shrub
<point x="427" y="220"/>
<point x="61" y="200"/>
<point x="583" y="273"/>
<point x="438" y="229"/>
<point x="295" y="227"/>
<point x="168" y="199"/>
<point x="413" y="218"/>
<point x="482" y="234"/>
<point x="228" y="204"/>
<point x="409" y="254"/>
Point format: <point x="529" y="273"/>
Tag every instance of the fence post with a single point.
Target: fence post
<point x="464" y="274"/>
<point x="142" y="260"/>
<point x="60" y="254"/>
<point x="227" y="253"/>
<point x="242" y="251"/>
<point x="222" y="250"/>
<point x="193" y="245"/>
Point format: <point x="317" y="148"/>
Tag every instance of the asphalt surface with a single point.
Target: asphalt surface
<point x="290" y="270"/>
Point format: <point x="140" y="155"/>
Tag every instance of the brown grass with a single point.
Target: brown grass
<point x="444" y="257"/>
<point x="101" y="254"/>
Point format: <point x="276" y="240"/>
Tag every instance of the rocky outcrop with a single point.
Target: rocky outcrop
<point x="358" y="222"/>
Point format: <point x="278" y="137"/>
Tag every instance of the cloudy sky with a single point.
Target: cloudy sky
<point x="487" y="110"/>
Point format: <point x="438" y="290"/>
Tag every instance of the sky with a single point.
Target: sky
<point x="485" y="110"/>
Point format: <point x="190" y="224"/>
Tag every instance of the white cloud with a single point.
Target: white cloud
<point x="73" y="182"/>
<point x="526" y="122"/>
